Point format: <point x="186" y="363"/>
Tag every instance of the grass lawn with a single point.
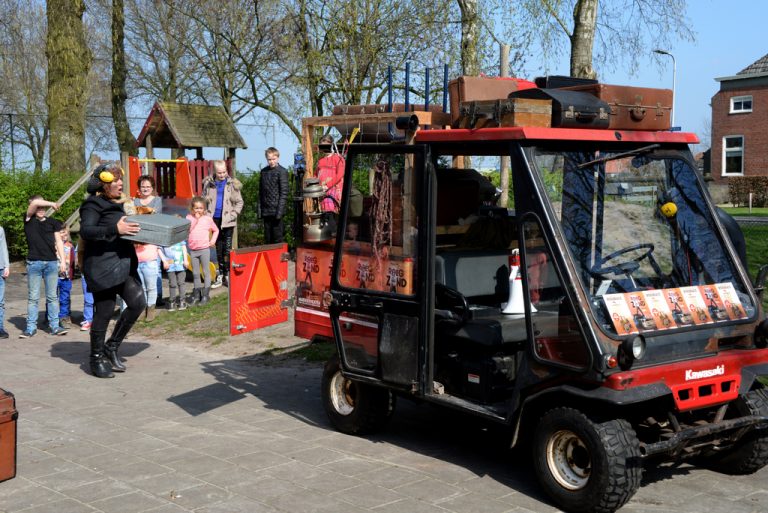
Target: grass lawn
<point x="744" y="211"/>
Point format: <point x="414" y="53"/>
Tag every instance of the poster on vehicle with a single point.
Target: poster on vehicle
<point x="620" y="314"/>
<point x="641" y="314"/>
<point x="695" y="305"/>
<point x="311" y="276"/>
<point x="657" y="304"/>
<point x="681" y="315"/>
<point x="711" y="296"/>
<point x="731" y="301"/>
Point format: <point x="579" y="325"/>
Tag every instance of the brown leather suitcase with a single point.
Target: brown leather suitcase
<point x="633" y="108"/>
<point x="465" y="89"/>
<point x="8" y="416"/>
<point x="509" y="112"/>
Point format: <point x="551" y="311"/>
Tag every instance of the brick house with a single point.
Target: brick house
<point x="740" y="125"/>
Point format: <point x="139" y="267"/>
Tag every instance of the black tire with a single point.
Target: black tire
<point x="586" y="466"/>
<point x="749" y="454"/>
<point x="354" y="408"/>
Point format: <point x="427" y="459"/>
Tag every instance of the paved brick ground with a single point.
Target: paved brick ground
<point x="185" y="431"/>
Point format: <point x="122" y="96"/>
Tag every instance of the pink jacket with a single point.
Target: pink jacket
<point x="202" y="232"/>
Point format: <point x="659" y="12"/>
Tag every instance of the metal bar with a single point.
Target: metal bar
<point x="680" y="438"/>
<point x="445" y="88"/>
<point x="161" y="160"/>
<point x="407" y="86"/>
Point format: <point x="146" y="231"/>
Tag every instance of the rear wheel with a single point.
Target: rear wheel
<point x="354" y="408"/>
<point x="749" y="454"/>
<point x="586" y="466"/>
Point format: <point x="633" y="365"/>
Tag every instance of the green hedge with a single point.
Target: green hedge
<point x="739" y="188"/>
<point x="16" y="189"/>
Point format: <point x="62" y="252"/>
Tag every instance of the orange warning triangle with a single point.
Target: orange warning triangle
<point x="263" y="288"/>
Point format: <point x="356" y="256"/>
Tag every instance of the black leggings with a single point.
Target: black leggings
<point x="104" y="303"/>
<point x="223" y="246"/>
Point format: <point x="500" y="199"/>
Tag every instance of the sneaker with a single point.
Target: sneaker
<point x="172" y="305"/>
<point x="225" y="281"/>
<point x="217" y="283"/>
<point x="182" y="304"/>
<point x="85" y="326"/>
<point x="3" y="333"/>
<point x="65" y="322"/>
<point x="58" y="330"/>
<point x="28" y="334"/>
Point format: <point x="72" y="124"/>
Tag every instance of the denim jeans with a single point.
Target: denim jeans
<point x="2" y="300"/>
<point x="65" y="297"/>
<point x="87" y="303"/>
<point x="148" y="272"/>
<point x="37" y="272"/>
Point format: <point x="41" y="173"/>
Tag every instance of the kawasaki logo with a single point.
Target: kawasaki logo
<point x="708" y="373"/>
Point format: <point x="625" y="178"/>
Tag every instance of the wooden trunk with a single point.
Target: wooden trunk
<point x="510" y="112"/>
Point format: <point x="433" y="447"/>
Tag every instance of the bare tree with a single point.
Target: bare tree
<point x="470" y="30"/>
<point x="125" y="139"/>
<point x="605" y="33"/>
<point x="69" y="60"/>
<point x="23" y="76"/>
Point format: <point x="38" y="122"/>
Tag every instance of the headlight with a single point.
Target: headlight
<point x="630" y="350"/>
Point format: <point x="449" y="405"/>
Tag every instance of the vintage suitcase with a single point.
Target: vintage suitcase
<point x="571" y="109"/>
<point x="159" y="229"/>
<point x="634" y="108"/>
<point x="509" y="112"/>
<point x="464" y="89"/>
<point x="8" y="416"/>
<point x="381" y="131"/>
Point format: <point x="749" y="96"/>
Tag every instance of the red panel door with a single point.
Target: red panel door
<point x="258" y="287"/>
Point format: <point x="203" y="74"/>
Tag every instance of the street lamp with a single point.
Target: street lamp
<point x="674" y="76"/>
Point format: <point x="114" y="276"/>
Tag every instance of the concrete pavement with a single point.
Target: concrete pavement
<point x="187" y="431"/>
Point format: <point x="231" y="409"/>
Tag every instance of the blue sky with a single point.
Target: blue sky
<point x="728" y="35"/>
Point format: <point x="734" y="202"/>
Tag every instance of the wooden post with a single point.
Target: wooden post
<point x="150" y="167"/>
<point x="198" y="154"/>
<point x="504" y="164"/>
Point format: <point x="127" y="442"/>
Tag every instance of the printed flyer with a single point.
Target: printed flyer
<point x="680" y="314"/>
<point x="659" y="308"/>
<point x="620" y="314"/>
<point x="641" y="314"/>
<point x="731" y="301"/>
<point x="695" y="305"/>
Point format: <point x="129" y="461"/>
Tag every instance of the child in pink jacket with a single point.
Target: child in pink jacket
<point x="202" y="236"/>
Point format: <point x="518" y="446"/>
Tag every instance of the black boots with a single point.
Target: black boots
<point x="100" y="366"/>
<point x="122" y="327"/>
<point x="205" y="295"/>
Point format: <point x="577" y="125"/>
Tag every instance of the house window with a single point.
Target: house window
<point x="741" y="104"/>
<point x="733" y="155"/>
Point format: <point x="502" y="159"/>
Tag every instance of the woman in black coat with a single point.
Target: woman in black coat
<point x="110" y="266"/>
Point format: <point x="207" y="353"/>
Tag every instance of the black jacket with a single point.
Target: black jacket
<point x="108" y="259"/>
<point x="273" y="191"/>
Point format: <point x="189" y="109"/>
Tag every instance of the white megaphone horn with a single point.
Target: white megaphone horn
<point x="516" y="303"/>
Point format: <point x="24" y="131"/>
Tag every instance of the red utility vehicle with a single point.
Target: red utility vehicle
<point x="632" y="333"/>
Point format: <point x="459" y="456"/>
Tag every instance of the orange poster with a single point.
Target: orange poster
<point x="310" y="277"/>
<point x="620" y="314"/>
<point x="674" y="299"/>
<point x="731" y="301"/>
<point x="399" y="277"/>
<point x="641" y="314"/>
<point x="695" y="305"/>
<point x="657" y="304"/>
<point x="711" y="297"/>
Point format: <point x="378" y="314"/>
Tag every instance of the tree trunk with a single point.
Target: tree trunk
<point x="469" y="35"/>
<point x="583" y="38"/>
<point x="69" y="60"/>
<point x="125" y="139"/>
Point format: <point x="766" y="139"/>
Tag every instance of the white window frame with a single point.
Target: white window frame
<point x="740" y="99"/>
<point x="726" y="150"/>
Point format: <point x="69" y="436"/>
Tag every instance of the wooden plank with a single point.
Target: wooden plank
<point x="425" y="118"/>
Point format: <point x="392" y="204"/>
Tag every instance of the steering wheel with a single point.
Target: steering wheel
<point x="600" y="269"/>
<point x="452" y="301"/>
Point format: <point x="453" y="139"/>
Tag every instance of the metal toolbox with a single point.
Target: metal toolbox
<point x="159" y="229"/>
<point x="8" y="417"/>
<point x="571" y="109"/>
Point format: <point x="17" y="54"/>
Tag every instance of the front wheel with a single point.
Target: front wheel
<point x="586" y="466"/>
<point x="749" y="454"/>
<point x="354" y="408"/>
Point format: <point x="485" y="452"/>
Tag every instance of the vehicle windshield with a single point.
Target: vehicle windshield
<point x="644" y="242"/>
